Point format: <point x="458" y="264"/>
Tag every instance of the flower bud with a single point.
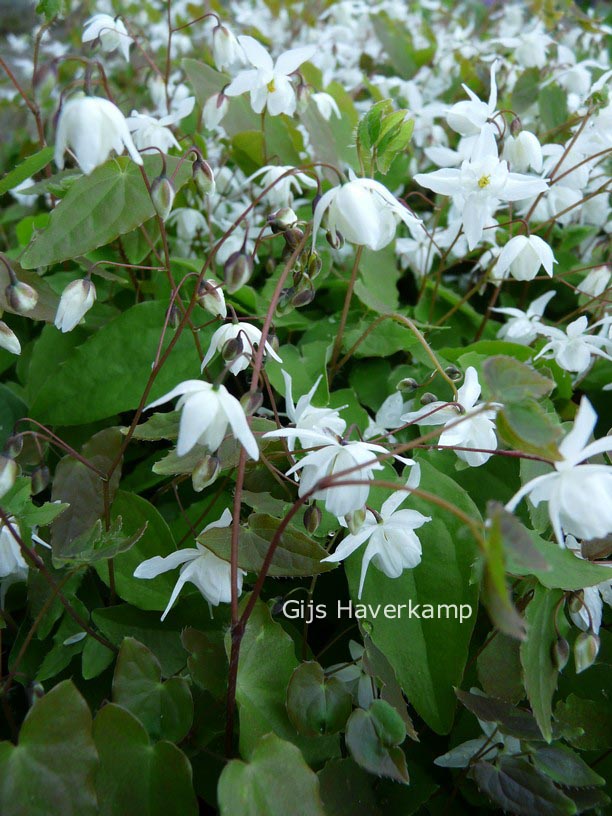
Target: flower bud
<point x="312" y="518"/>
<point x="428" y="398"/>
<point x="211" y="298"/>
<point x="407" y="384"/>
<point x="205" y="472"/>
<point x="251" y="402"/>
<point x="354" y="520"/>
<point x="162" y="195"/>
<point x="303" y="298"/>
<point x="237" y="271"/>
<point x="204" y="177"/>
<point x="515" y="126"/>
<point x="21" y="297"/>
<point x="282" y="220"/>
<point x="8" y="339"/>
<point x="335" y="240"/>
<point x="232" y="349"/>
<point x="8" y="474"/>
<point x="315" y="264"/>
<point x="40" y="479"/>
<point x="273" y="340"/>
<point x="14" y="446"/>
<point x="586" y="648"/>
<point x="560" y="653"/>
<point x="453" y="373"/>
<point x="576" y="603"/>
<point x="174" y="318"/>
<point x="293" y="237"/>
<point x="284" y="300"/>
<point x="77" y="299"/>
<point x="227" y="51"/>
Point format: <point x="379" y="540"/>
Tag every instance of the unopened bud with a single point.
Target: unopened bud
<point x="205" y="472"/>
<point x="21" y="297"/>
<point x="586" y="649"/>
<point x="560" y="653"/>
<point x="14" y="446"/>
<point x="515" y="126"/>
<point x="312" y="518"/>
<point x="335" y="239"/>
<point x="284" y="300"/>
<point x="576" y="603"/>
<point x="211" y="298"/>
<point x="204" y="177"/>
<point x="232" y="349"/>
<point x="237" y="271"/>
<point x="282" y="220"/>
<point x="293" y="237"/>
<point x="303" y="298"/>
<point x="8" y="474"/>
<point x="76" y="300"/>
<point x="354" y="520"/>
<point x="251" y="402"/>
<point x="315" y="264"/>
<point x="407" y="384"/>
<point x="40" y="479"/>
<point x="8" y="339"/>
<point x="175" y="316"/>
<point x="273" y="340"/>
<point x="428" y="398"/>
<point x="162" y="195"/>
<point x="453" y="373"/>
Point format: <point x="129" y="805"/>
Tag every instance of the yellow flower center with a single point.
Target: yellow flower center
<point x="484" y="181"/>
<point x="271" y="86"/>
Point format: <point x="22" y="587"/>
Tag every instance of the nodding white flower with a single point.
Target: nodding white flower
<point x="189" y="222"/>
<point x="199" y="566"/>
<point x="8" y="339"/>
<point x="523" y="256"/>
<point x="393" y="545"/>
<point x="92" y="127"/>
<point x="363" y="211"/>
<point x="281" y="195"/>
<point x="573" y="348"/>
<point x="468" y="118"/>
<point x="388" y="417"/>
<point x="482" y="183"/>
<point x="307" y="417"/>
<point x="9" y="471"/>
<point x="215" y="108"/>
<point x="13" y="566"/>
<point x="227" y="51"/>
<point x="211" y="298"/>
<point x="579" y="495"/>
<point x="326" y="105"/>
<point x="474" y="429"/>
<point x="418" y="251"/>
<point x="529" y="47"/>
<point x="248" y="335"/>
<point x="268" y="82"/>
<point x="207" y="411"/>
<point x="149" y="131"/>
<point x="111" y="33"/>
<point x="77" y="299"/>
<point x="523" y="151"/>
<point x="524" y="327"/>
<point x="596" y="282"/>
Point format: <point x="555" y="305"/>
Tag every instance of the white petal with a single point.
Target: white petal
<point x="237" y="420"/>
<point x="290" y="61"/>
<point x="255" y="53"/>
<point x="153" y="567"/>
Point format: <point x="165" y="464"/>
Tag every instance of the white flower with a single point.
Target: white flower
<point x="200" y="566"/>
<point x="522" y="256"/>
<point x="393" y="545"/>
<point x="212" y="299"/>
<point x="417" y="252"/>
<point x="307" y="417"/>
<point x="149" y="131"/>
<point x="363" y="211"/>
<point x="573" y="348"/>
<point x="523" y="151"/>
<point x="388" y="417"/>
<point x="596" y="282"/>
<point x="189" y="222"/>
<point x="227" y="51"/>
<point x="207" y="411"/>
<point x="268" y="82"/>
<point x="77" y="299"/>
<point x="215" y="108"/>
<point x="579" y="495"/>
<point x="111" y="32"/>
<point x="474" y="429"/>
<point x="481" y="182"/>
<point x="468" y="118"/>
<point x="8" y="339"/>
<point x="326" y="105"/>
<point x="8" y="473"/>
<point x="524" y="327"/>
<point x="249" y="335"/>
<point x="92" y="127"/>
<point x="13" y="566"/>
<point x="281" y="195"/>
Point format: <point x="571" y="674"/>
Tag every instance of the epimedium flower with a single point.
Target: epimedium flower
<point x="482" y="183"/>
<point x="207" y="410"/>
<point x="199" y="566"/>
<point x="76" y="300"/>
<point x="468" y="118"/>
<point x="393" y="546"/>
<point x="524" y="327"/>
<point x="215" y="108"/>
<point x="308" y="417"/>
<point x="110" y="32"/>
<point x="579" y="495"/>
<point x="573" y="348"/>
<point x="363" y="211"/>
<point x="475" y="428"/>
<point x="13" y="566"/>
<point x="211" y="298"/>
<point x="268" y="82"/>
<point x="281" y="194"/>
<point x="523" y="256"/>
<point x="8" y="339"/>
<point x="523" y="151"/>
<point x="227" y="51"/>
<point x="247" y="336"/>
<point x="92" y="127"/>
<point x="326" y="105"/>
<point x="151" y="131"/>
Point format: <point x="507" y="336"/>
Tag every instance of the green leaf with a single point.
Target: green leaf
<point x="347" y="790"/>
<point x="333" y="141"/>
<point x="317" y="704"/>
<point x="525" y="90"/>
<point x="433" y="665"/>
<point x="376" y="286"/>
<point x="536" y="655"/>
<point x="51" y="770"/>
<point x="98" y="544"/>
<point x="565" y="767"/>
<point x="207" y="662"/>
<point x="111" y="201"/>
<point x="158" y="426"/>
<point x="137" y="777"/>
<point x="108" y="373"/>
<point x="53" y="8"/>
<point x="304" y="365"/>
<point x="509" y="380"/>
<point x="387" y="338"/>
<point x="591" y="717"/>
<point x="28" y="167"/>
<point x="496" y="594"/>
<point x="526" y="427"/>
<point x="517" y="787"/>
<point x="499" y="668"/>
<point x="511" y="720"/>
<point x="12" y="408"/>
<point x="165" y="709"/>
<point x="552" y="104"/>
<point x="373" y="745"/>
<point x="257" y="788"/>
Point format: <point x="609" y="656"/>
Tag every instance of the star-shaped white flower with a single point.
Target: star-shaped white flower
<point x="468" y="118"/>
<point x="111" y="33"/>
<point x="150" y="131"/>
<point x="248" y="335"/>
<point x="573" y="348"/>
<point x="308" y="417"/>
<point x="524" y="327"/>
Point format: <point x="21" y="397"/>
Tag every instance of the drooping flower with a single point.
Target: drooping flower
<point x="227" y="51"/>
<point x="523" y="151"/>
<point x="573" y="348"/>
<point x="8" y="339"/>
<point x="307" y="417"/>
<point x="92" y="127"/>
<point x="199" y="566"/>
<point x="150" y="131"/>
<point x="13" y="566"/>
<point x="468" y="118"/>
<point x="76" y="300"/>
<point x="388" y="418"/>
<point x="268" y="82"/>
<point x="247" y="335"/>
<point x="363" y="211"/>
<point x="393" y="546"/>
<point x="110" y="32"/>
<point x="211" y="298"/>
<point x="524" y="327"/>
<point x="281" y="194"/>
<point x="215" y="108"/>
<point x="207" y="411"/>
<point x="326" y="105"/>
<point x="579" y="495"/>
<point x="523" y="256"/>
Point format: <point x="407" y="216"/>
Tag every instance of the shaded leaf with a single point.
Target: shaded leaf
<point x="374" y="745"/>
<point x="317" y="704"/>
<point x="517" y="787"/>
